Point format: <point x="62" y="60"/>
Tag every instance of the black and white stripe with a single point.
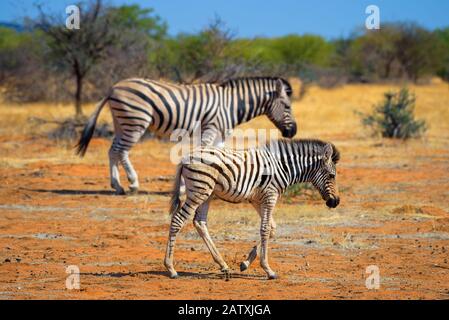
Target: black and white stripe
<point x="259" y="176"/>
<point x="162" y="108"/>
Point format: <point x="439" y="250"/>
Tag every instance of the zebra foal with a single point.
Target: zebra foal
<point x="259" y="176"/>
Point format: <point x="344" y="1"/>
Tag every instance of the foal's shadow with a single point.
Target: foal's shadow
<point x="96" y="192"/>
<point x="188" y="275"/>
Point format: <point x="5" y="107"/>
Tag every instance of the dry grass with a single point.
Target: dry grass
<point x="331" y="112"/>
<point x="322" y="112"/>
<point x="15" y="118"/>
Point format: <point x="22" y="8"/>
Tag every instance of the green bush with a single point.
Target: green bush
<point x="394" y="117"/>
<point x="305" y="190"/>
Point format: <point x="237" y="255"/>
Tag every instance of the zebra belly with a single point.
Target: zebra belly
<point x="178" y="129"/>
<point x="176" y="134"/>
<point x="233" y="192"/>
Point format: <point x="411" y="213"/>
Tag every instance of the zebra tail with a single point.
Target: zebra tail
<point x="89" y="128"/>
<point x="175" y="202"/>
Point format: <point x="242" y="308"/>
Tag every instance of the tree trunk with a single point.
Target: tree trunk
<point x="388" y="69"/>
<point x="78" y="95"/>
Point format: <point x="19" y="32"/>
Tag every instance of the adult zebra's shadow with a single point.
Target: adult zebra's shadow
<point x="96" y="192"/>
<point x="188" y="275"/>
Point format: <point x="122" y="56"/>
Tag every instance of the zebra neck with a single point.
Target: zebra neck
<point x="244" y="105"/>
<point x="296" y="167"/>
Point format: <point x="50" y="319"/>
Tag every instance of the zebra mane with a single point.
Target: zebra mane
<point x="231" y="82"/>
<point x="314" y="144"/>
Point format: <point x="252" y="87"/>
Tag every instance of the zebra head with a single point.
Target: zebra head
<point x="280" y="110"/>
<point x="324" y="178"/>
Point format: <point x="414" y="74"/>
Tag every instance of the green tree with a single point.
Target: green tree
<point x="259" y="50"/>
<point x="374" y="54"/>
<point x="306" y="49"/>
<point x="292" y="51"/>
<point x="418" y="51"/>
<point x="443" y="38"/>
<point x="103" y="28"/>
<point x="22" y="65"/>
<point x="11" y="44"/>
<point x="133" y="18"/>
<point x="396" y="50"/>
<point x="196" y="57"/>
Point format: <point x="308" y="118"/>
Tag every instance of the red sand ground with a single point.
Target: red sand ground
<point x="57" y="211"/>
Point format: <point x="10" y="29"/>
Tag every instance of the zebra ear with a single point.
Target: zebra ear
<point x="328" y="150"/>
<point x="280" y="89"/>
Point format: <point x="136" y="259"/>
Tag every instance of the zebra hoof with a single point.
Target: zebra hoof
<point x="174" y="276"/>
<point x="273" y="276"/>
<point x="133" y="191"/>
<point x="120" y="192"/>
<point x="243" y="266"/>
<point x="227" y="274"/>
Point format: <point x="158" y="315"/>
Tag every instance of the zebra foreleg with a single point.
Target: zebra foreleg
<point x="267" y="208"/>
<point x="253" y="253"/>
<point x="200" y="223"/>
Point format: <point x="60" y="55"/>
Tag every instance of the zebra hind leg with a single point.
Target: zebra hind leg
<point x="130" y="172"/>
<point x="119" y="155"/>
<point x="123" y="143"/>
<point x="114" y="159"/>
<point x="200" y="223"/>
<point x="177" y="222"/>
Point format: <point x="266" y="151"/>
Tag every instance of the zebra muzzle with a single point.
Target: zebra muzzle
<point x="333" y="202"/>
<point x="290" y="131"/>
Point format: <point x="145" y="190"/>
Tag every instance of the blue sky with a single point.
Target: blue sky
<point x="249" y="18"/>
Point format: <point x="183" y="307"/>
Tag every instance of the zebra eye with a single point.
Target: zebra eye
<point x="332" y="175"/>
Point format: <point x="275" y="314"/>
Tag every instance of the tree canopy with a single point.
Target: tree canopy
<point x="47" y="61"/>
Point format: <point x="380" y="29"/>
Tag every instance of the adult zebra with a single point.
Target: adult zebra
<point x="259" y="176"/>
<point x="140" y="104"/>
